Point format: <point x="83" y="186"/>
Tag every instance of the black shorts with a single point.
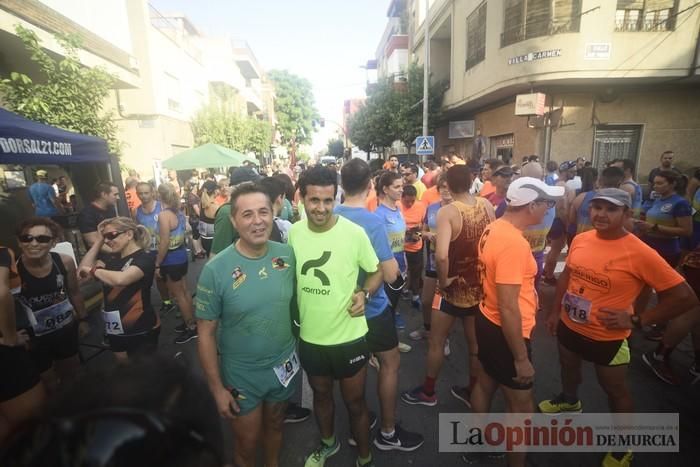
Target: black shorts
<point x="174" y="272"/>
<point x="143" y="343"/>
<point x="336" y="361"/>
<point x="603" y="353"/>
<point x="381" y="335"/>
<point x="414" y="259"/>
<point x="194" y="225"/>
<point x="430" y="273"/>
<point x="439" y="303"/>
<point x="495" y="355"/>
<point x="58" y="345"/>
<point x="19" y="374"/>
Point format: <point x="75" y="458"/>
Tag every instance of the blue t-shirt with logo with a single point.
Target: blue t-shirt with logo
<point x="396" y="232"/>
<point x="664" y="211"/>
<point x="374" y="227"/>
<point x="42" y="195"/>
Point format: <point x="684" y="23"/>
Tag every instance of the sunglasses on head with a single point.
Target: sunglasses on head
<point x="113" y="235"/>
<point x="26" y="238"/>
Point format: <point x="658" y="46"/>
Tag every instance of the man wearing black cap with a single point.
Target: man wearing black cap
<point x="224" y="232"/>
<point x="501" y="179"/>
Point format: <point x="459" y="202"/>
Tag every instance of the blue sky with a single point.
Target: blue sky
<point x="324" y="41"/>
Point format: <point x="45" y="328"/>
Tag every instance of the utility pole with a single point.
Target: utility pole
<point x="426" y="65"/>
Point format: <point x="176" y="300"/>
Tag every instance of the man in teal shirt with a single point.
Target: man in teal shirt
<point x="244" y="300"/>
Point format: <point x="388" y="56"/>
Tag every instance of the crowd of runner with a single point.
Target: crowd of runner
<point x="309" y="276"/>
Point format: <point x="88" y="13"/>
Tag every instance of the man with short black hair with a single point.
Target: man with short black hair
<point x="249" y="288"/>
<point x="409" y="172"/>
<point x="665" y="163"/>
<point x="381" y="337"/>
<point x="106" y="195"/>
<point x="393" y="164"/>
<point x="330" y="251"/>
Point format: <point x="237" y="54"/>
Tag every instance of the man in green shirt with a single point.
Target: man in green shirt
<point x="330" y="251"/>
<point x="247" y="292"/>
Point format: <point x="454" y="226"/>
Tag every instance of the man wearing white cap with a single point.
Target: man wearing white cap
<point x="592" y="312"/>
<point x="43" y="196"/>
<point x="509" y="304"/>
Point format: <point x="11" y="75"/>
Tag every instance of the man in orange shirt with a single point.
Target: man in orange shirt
<point x="132" y="200"/>
<point x="490" y="166"/>
<point x="509" y="303"/>
<point x="413" y="213"/>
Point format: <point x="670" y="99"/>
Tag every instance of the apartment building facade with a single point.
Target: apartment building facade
<point x="619" y="77"/>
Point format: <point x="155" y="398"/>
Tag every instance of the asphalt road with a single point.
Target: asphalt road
<point x="650" y="395"/>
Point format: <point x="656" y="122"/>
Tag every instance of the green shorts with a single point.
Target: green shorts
<point x="256" y="386"/>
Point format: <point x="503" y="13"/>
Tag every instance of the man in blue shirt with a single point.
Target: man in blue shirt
<point x="43" y="196"/>
<point x="381" y="336"/>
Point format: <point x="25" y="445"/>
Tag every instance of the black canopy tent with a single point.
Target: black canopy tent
<point x="27" y="143"/>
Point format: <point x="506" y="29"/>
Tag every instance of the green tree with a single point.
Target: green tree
<point x="244" y="134"/>
<point x="68" y="95"/>
<point x="294" y="107"/>
<point x="336" y="148"/>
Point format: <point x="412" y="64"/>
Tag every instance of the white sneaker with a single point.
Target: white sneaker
<point x="446" y="350"/>
<point x="403" y="348"/>
<point x="419" y="334"/>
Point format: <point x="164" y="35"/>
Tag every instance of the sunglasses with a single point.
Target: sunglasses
<point x="26" y="238"/>
<point x="112" y="235"/>
<point x="106" y="437"/>
<point x="549" y="202"/>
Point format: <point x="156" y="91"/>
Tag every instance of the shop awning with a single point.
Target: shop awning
<point x="25" y="142"/>
<point x="207" y="156"/>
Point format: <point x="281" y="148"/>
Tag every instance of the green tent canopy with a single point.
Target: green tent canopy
<point x="207" y="156"/>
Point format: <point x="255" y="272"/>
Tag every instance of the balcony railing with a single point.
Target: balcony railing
<point x="532" y="29"/>
<point x="643" y="26"/>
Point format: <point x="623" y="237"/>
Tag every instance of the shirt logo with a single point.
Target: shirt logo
<point x="666" y="208"/>
<point x="316" y="263"/>
<point x="238" y="277"/>
<point x="278" y="263"/>
<point x="262" y="273"/>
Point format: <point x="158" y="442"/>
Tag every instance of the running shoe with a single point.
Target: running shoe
<point x="321" y="454"/>
<point x="415" y="302"/>
<point x="558" y="406"/>
<point x="661" y="368"/>
<point x="695" y="373"/>
<point x="296" y="413"/>
<point x="166" y="308"/>
<point x="182" y="327"/>
<point x="482" y="457"/>
<point x="368" y="464"/>
<point x="462" y="393"/>
<point x="186" y="336"/>
<point x="446" y="349"/>
<point x="401" y="441"/>
<point x="404" y="348"/>
<point x="614" y="459"/>
<point x="372" y="424"/>
<point x="419" y="334"/>
<point x="416" y="396"/>
<point x="399" y="322"/>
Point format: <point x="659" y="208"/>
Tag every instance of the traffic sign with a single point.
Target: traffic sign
<point x="425" y="145"/>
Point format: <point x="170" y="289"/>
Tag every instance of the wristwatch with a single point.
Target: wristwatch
<point x="366" y="293"/>
<point x="636" y="321"/>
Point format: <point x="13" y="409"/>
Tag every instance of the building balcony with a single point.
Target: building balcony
<point x="533" y="29"/>
<point x="246" y="61"/>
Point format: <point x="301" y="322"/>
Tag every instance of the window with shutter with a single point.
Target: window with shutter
<point x="513" y="22"/>
<point x="537" y="20"/>
<point x="476" y="36"/>
<point x="525" y="19"/>
<point x="645" y="15"/>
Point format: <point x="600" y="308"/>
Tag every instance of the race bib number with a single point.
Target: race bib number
<point x="113" y="322"/>
<point x="578" y="308"/>
<point x="52" y="318"/>
<point x="286" y="371"/>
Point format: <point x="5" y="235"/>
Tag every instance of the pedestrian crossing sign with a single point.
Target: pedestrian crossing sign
<point x="425" y="145"/>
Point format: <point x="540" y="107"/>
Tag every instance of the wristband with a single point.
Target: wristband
<point x="94" y="268"/>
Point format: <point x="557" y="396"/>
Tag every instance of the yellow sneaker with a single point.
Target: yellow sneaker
<point x="611" y="461"/>
<point x="558" y="406"/>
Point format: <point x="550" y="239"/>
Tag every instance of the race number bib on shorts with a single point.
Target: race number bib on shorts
<point x="113" y="322"/>
<point x="52" y="318"/>
<point x="578" y="308"/>
<point x="286" y="371"/>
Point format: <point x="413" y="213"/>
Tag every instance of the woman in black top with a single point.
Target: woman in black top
<point x="49" y="302"/>
<point x="131" y="325"/>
